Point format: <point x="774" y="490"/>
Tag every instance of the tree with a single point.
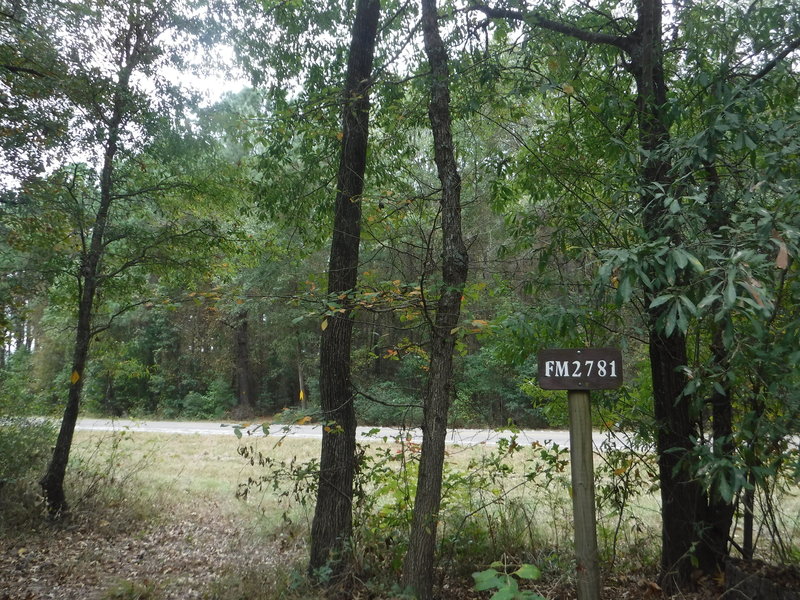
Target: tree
<point x="332" y="524"/>
<point x="112" y="46"/>
<point x="419" y="560"/>
<point x="696" y="517"/>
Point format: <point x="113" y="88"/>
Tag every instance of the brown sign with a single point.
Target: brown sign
<point x="580" y="369"/>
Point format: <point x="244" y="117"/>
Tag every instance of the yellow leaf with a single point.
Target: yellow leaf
<point x="340" y="135"/>
<point x="454" y="330"/>
<point x="22" y="552"/>
<point x="302" y="395"/>
<point x="304" y="420"/>
<point x="324" y="324"/>
<point x="568" y="89"/>
<point x="74" y="378"/>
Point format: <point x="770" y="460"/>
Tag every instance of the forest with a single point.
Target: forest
<point x="355" y="212"/>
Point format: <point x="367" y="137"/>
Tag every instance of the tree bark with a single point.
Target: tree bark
<point x="332" y="524"/>
<point x="418" y="568"/>
<point x="53" y="480"/>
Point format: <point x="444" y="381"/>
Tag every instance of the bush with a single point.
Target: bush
<point x="212" y="405"/>
<point x="24" y="448"/>
<point x="24" y="451"/>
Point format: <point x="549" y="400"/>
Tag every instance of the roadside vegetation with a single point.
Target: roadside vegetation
<point x="186" y="516"/>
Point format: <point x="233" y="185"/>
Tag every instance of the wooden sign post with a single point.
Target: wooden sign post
<point x="579" y="371"/>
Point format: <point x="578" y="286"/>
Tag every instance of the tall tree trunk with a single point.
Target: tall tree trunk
<point x="683" y="500"/>
<point x="88" y="279"/>
<point x="332" y="524"/>
<point x="53" y="480"/>
<point x="719" y="511"/>
<point x="245" y="390"/>
<point x="418" y="568"/>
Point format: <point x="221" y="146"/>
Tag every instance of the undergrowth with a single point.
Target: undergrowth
<point x="101" y="479"/>
<point x="510" y="502"/>
<point x="24" y="451"/>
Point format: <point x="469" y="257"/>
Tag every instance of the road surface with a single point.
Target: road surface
<point x="463" y="437"/>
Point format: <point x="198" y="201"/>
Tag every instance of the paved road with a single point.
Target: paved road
<point x="464" y="437"/>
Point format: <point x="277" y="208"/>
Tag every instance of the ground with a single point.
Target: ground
<point x="85" y="559"/>
<point x="196" y="555"/>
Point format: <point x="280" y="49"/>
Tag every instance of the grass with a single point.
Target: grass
<point x="176" y="471"/>
<point x="179" y="471"/>
<point x="517" y="513"/>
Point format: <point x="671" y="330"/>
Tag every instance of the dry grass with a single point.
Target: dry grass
<point x="156" y="516"/>
<point x="181" y="471"/>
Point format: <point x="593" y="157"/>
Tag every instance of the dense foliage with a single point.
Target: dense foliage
<point x="614" y="193"/>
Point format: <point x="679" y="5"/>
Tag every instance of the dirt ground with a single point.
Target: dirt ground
<point x="93" y="560"/>
<point x="197" y="555"/>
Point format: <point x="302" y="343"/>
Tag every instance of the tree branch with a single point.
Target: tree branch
<point x="775" y="61"/>
<point x="26" y="70"/>
<point x="624" y="43"/>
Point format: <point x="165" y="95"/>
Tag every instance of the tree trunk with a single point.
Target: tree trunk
<point x="418" y="568"/>
<point x="682" y="497"/>
<point x="719" y="512"/>
<point x="88" y="279"/>
<point x="332" y="524"/>
<point x="53" y="480"/>
<point x="685" y="505"/>
<point x="245" y="390"/>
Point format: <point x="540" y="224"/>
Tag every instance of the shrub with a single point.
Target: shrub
<point x="24" y="448"/>
<point x="18" y="395"/>
<point x="217" y="401"/>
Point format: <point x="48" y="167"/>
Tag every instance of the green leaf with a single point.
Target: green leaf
<point x="672" y="320"/>
<point x="688" y="304"/>
<point x="508" y="591"/>
<point x="680" y="256"/>
<point x="625" y="289"/>
<point x="729" y="299"/>
<point x="238" y="432"/>
<point x="528" y="571"/>
<point x="487" y="580"/>
<point x="707" y="301"/>
<point x="696" y="264"/>
<point x="661" y="300"/>
<point x="725" y="489"/>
